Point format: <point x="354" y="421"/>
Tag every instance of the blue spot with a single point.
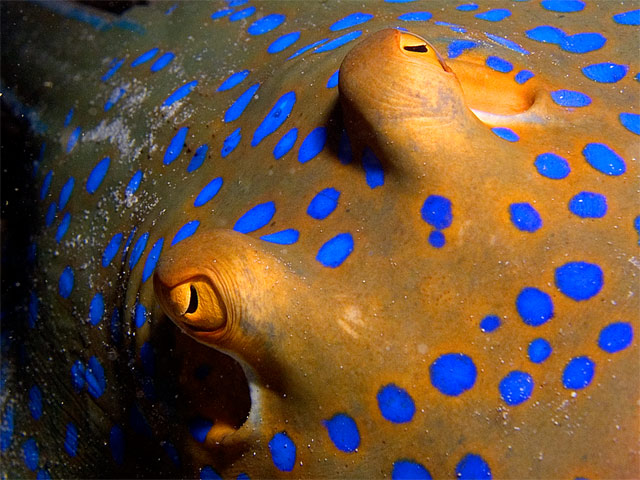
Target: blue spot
<point x="283" y="42"/>
<point x="631" y="17"/>
<point x="243" y="476"/>
<point x="116" y="327"/>
<point x="134" y="184"/>
<point x="415" y="16"/>
<point x="283" y="237"/>
<point x="453" y="373"/>
<point x="588" y="205"/>
<point x="582" y="42"/>
<point x="437" y="239"/>
<point x="30" y="454"/>
<point x="307" y="48"/>
<point x="499" y="65"/>
<point x="145" y="57"/>
<point x="525" y="217"/>
<point x="137" y="250"/>
<point x="162" y="62"/>
<point x="171" y="452"/>
<point x="285" y="144"/>
<point x="323" y="203"/>
<point x="333" y="79"/>
<point x="506" y="134"/>
<point x="523" y="76"/>
<point x="73" y="138"/>
<point x="256" y="218"/>
<point x="175" y="146"/>
<point x="180" y="93"/>
<point x="233" y="80"/>
<point x="534" y="306"/>
<point x="457" y="47"/>
<point x="336" y="250"/>
<point x="631" y="121"/>
<point x="578" y="373"/>
<point x="240" y="14"/>
<point x="615" y="337"/>
<point x="46" y="184"/>
<point x="395" y="404"/>
<point x="208" y="473"/>
<point x="78" y="375"/>
<point x="343" y="432"/>
<point x="64" y="226"/>
<point x="51" y="214"/>
<point x="6" y="429"/>
<point x="65" y="283"/>
<point x="552" y="166"/>
<point x="43" y="474"/>
<point x="96" y="309"/>
<point x="141" y="315"/>
<point x="508" y="43"/>
<point x="473" y="467"/>
<point x="65" y="193"/>
<point x="116" y="95"/>
<point x="116" y="442"/>
<point x="494" y="15"/>
<point x="71" y="440"/>
<point x="238" y="107"/>
<point x="113" y="68"/>
<point x="312" y="145"/>
<point x="606" y="72"/>
<point x="32" y="310"/>
<point x="338" y="42"/>
<point x="489" y="323"/>
<point x="283" y="451"/>
<point x="96" y="383"/>
<point x="208" y="192"/>
<point x="570" y="98"/>
<point x="275" y="118"/>
<point x="223" y="12"/>
<point x="147" y="358"/>
<point x="198" y="158"/>
<point x="564" y="6"/>
<point x="111" y="249"/>
<point x="350" y="21"/>
<point x="546" y="34"/>
<point x="97" y="175"/>
<point x="266" y="24"/>
<point x="35" y="402"/>
<point x="579" y="280"/>
<point x="636" y="225"/>
<point x="374" y="173"/>
<point x="186" y="231"/>
<point x="539" y="350"/>
<point x="345" y="155"/>
<point x="467" y="7"/>
<point x="436" y="211"/>
<point x="604" y="159"/>
<point x="409" y="470"/>
<point x="231" y="142"/>
<point x="516" y="387"/>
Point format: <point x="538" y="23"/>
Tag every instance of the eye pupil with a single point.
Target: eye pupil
<point x="193" y="301"/>
<point x="416" y="48"/>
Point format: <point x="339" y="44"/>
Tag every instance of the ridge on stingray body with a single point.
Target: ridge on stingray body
<point x="366" y="243"/>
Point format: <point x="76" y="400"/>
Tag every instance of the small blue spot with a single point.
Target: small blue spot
<point x="255" y="218"/>
<point x="141" y="315"/>
<point x="116" y="327"/>
<point x="240" y="14"/>
<point x="516" y="388"/>
<point x="457" y="47"/>
<point x="564" y="6"/>
<point x="65" y="193"/>
<point x="631" y="121"/>
<point x="152" y="260"/>
<point x="552" y="166"/>
<point x="230" y="143"/>
<point x="453" y="373"/>
<point x="180" y="93"/>
<point x="570" y="98"/>
<point x="374" y="173"/>
<point x="508" y="43"/>
<point x="604" y="159"/>
<point x="111" y="249"/>
<point x="198" y="158"/>
<point x="145" y="57"/>
<point x="275" y="118"/>
<point x="499" y="65"/>
<point x="579" y="280"/>
<point x="78" y="375"/>
<point x="116" y="95"/>
<point x="51" y="214"/>
<point x="63" y="227"/>
<point x="96" y="383"/>
<point x="525" y="217"/>
<point x="506" y="134"/>
<point x="35" y="402"/>
<point x="546" y="34"/>
<point x="96" y="309"/>
<point x="283" y="451"/>
<point x="162" y="62"/>
<point x="285" y="144"/>
<point x="582" y="42"/>
<point x="208" y="192"/>
<point x="636" y="225"/>
<point x="6" y="429"/>
<point x="137" y="250"/>
<point x="395" y="404"/>
<point x="73" y="138"/>
<point x="208" y="473"/>
<point x="185" y="231"/>
<point x="345" y="155"/>
<point x="615" y="337"/>
<point x="494" y="15"/>
<point x="65" y="283"/>
<point x="175" y="146"/>
<point x="343" y="432"/>
<point x="172" y="452"/>
<point x="134" y="184"/>
<point x="323" y="203"/>
<point x="116" y="442"/>
<point x="233" y="80"/>
<point x="336" y="250"/>
<point x="437" y="239"/>
<point x="238" y="107"/>
<point x="32" y="310"/>
<point x="30" y="454"/>
<point x="534" y="306"/>
<point x="588" y="205"/>
<point x="338" y="42"/>
<point x="631" y="17"/>
<point x="243" y="476"/>
<point x="523" y="76"/>
<point x="147" y="358"/>
<point x="409" y="470"/>
<point x="283" y="42"/>
<point x="489" y="323"/>
<point x="113" y="68"/>
<point x="266" y="24"/>
<point x="415" y="16"/>
<point x="46" y="184"/>
<point x="306" y="48"/>
<point x="223" y="12"/>
<point x="351" y="21"/>
<point x="312" y="145"/>
<point x="467" y="7"/>
<point x="606" y="72"/>
<point x="97" y="175"/>
<point x="578" y="373"/>
<point x="71" y="440"/>
<point x="473" y="467"/>
<point x="283" y="237"/>
<point x="539" y="350"/>
<point x="333" y="80"/>
<point x="436" y="211"/>
<point x="43" y="474"/>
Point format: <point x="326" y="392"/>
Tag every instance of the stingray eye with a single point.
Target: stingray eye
<point x="416" y="48"/>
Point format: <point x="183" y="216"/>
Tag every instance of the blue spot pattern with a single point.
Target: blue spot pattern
<point x="199" y="428"/>
<point x="231" y="142"/>
<point x="349" y="21"/>
<point x="490" y="323"/>
<point x="374" y="173"/>
<point x="453" y="373"/>
<point x="233" y="80"/>
<point x="283" y="42"/>
<point x="180" y="93"/>
<point x="239" y="106"/>
<point x="630" y="121"/>
<point x="6" y="429"/>
<point x="116" y="444"/>
<point x="323" y="203"/>
<point x="395" y="404"/>
<point x="208" y="192"/>
<point x="275" y="118"/>
<point x="73" y="138"/>
<point x="208" y="473"/>
<point x="563" y="6"/>
<point x="631" y="17"/>
<point x="97" y="175"/>
<point x="111" y="249"/>
<point x="582" y="42"/>
<point x="285" y="144"/>
<point x="145" y="57"/>
<point x="134" y="183"/>
<point x="65" y="283"/>
<point x="306" y="48"/>
<point x="539" y="350"/>
<point x="415" y="16"/>
<point x="240" y="14"/>
<point x="495" y="15"/>
<point x="185" y="231"/>
<point x="615" y="337"/>
<point x="335" y="251"/>
<point x="437" y="239"/>
<point x="467" y="7"/>
<point x="588" y="205"/>
<point x="96" y="309"/>
<point x="534" y="306"/>
<point x="457" y="47"/>
<point x="499" y="64"/>
<point x="255" y="218"/>
<point x="162" y="62"/>
<point x="31" y="454"/>
<point x="116" y="95"/>
<point x="578" y="373"/>
<point x="266" y="24"/>
<point x="46" y="184"/>
<point x="312" y="145"/>
<point x="78" y="376"/>
<point x="524" y="217"/>
<point x="604" y="159"/>
<point x="343" y="432"/>
<point x="63" y="227"/>
<point x="51" y="214"/>
<point x="606" y="72"/>
<point x="175" y="146"/>
<point x="552" y="166"/>
<point x="283" y="237"/>
<point x="523" y="76"/>
<point x="35" y="402"/>
<point x="516" y="388"/>
<point x="71" y="440"/>
<point x="408" y="469"/>
<point x="436" y="211"/>
<point x="114" y="66"/>
<point x="283" y="451"/>
<point x="506" y="134"/>
<point x="546" y="34"/>
<point x="65" y="193"/>
<point x="198" y="158"/>
<point x="137" y="250"/>
<point x="570" y="98"/>
<point x="579" y="280"/>
<point x="338" y="42"/>
<point x="473" y="467"/>
<point x="333" y="79"/>
<point x="140" y="316"/>
<point x="94" y="374"/>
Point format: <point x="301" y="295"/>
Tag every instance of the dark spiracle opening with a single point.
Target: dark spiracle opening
<point x="416" y="48"/>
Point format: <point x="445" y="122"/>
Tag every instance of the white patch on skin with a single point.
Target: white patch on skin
<point x="351" y="320"/>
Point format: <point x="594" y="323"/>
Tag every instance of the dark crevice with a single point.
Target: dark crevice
<point x="416" y="48"/>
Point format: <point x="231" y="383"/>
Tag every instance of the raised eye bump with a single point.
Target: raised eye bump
<point x="193" y="300"/>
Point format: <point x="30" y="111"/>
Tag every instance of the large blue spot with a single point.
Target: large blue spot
<point x="436" y="211"/>
<point x="415" y="16"/>
<point x="238" y="107"/>
<point x="198" y="158"/>
<point x="231" y="142"/>
<point x="233" y="80"/>
<point x="275" y="118"/>
<point x="437" y="239"/>
<point x="604" y="159"/>
<point x="134" y="184"/>
<point x="145" y="57"/>
<point x="534" y="306"/>
<point x="46" y="184"/>
<point x="323" y="203"/>
<point x="516" y="387"/>
<point x="6" y="429"/>
<point x="208" y="192"/>
<point x="453" y="373"/>
<point x="185" y="231"/>
<point x="333" y="79"/>
<point x="96" y="382"/>
<point x="96" y="309"/>
<point x="256" y="218"/>
<point x="111" y="249"/>
<point x="283" y="451"/>
<point x="374" y="173"/>
<point x="285" y="144"/>
<point x="489" y="323"/>
<point x="116" y="442"/>
<point x="546" y="34"/>
<point x="552" y="166"/>
<point x="73" y="138"/>
<point x="350" y="21"/>
<point x="140" y="316"/>
<point x="283" y="42"/>
<point x="578" y="373"/>
<point x="240" y="14"/>
<point x="506" y="134"/>
<point x="579" y="280"/>
<point x="199" y="429"/>
<point x="180" y="93"/>
<point x="283" y="237"/>
<point x="473" y="467"/>
<point x="409" y="470"/>
<point x="138" y="250"/>
<point x="162" y="62"/>
<point x="615" y="337"/>
<point x="97" y="175"/>
<point x="175" y="146"/>
<point x="343" y="432"/>
<point x="457" y="47"/>
<point x="564" y="6"/>
<point x="30" y="454"/>
<point x="306" y="48"/>
<point x="499" y="64"/>
<point x="606" y="72"/>
<point x="312" y="145"/>
<point x="266" y="24"/>
<point x="525" y="217"/>
<point x="71" y="440"/>
<point x="631" y="17"/>
<point x="65" y="283"/>
<point x="588" y="205"/>
<point x="582" y="42"/>
<point x="114" y="66"/>
<point x="35" y="402"/>
<point x="208" y="473"/>
<point x="631" y="121"/>
<point x="65" y="193"/>
<point x="78" y="376"/>
<point x="570" y="98"/>
<point x="338" y="42"/>
<point x="395" y="404"/>
<point x="336" y="250"/>
<point x="63" y="227"/>
<point x="495" y="15"/>
<point x="539" y="350"/>
<point x="523" y="76"/>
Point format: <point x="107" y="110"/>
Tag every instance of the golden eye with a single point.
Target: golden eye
<point x="195" y="304"/>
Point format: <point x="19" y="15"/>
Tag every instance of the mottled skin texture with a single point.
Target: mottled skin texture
<point x="314" y="341"/>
